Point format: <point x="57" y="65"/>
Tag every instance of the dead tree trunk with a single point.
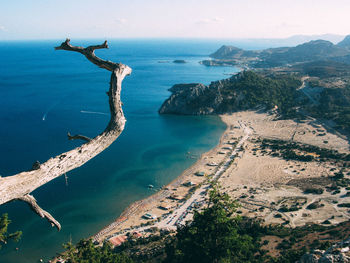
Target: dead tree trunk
<point x="19" y="186"/>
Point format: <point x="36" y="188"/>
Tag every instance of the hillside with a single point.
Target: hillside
<point x="322" y="69"/>
<point x="345" y="43"/>
<point x="240" y="92"/>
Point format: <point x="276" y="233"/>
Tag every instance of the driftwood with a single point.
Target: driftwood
<point x="19" y="186"/>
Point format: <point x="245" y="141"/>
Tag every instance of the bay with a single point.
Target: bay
<point x="45" y="93"/>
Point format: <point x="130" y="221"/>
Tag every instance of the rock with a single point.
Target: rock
<point x="345" y="249"/>
<point x="179" y="61"/>
<point x="188" y="99"/>
<point x="338" y="253"/>
<point x="309" y="258"/>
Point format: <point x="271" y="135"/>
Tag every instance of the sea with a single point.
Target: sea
<point x="46" y="93"/>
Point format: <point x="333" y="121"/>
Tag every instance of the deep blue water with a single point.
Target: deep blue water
<point x="46" y="93"/>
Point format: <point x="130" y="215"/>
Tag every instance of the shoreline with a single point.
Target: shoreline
<point x="267" y="185"/>
<point x="132" y="214"/>
<point x="262" y="182"/>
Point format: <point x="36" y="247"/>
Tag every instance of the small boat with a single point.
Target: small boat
<point x="150" y="186"/>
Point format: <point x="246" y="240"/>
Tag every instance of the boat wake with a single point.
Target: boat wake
<point x="93" y="112"/>
<point x="50" y="108"/>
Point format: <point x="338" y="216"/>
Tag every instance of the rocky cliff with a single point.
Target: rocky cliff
<point x="192" y="99"/>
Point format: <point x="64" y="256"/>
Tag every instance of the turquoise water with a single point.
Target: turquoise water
<point x="46" y="93"/>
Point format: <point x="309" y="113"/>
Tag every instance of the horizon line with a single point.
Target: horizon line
<point x="160" y="38"/>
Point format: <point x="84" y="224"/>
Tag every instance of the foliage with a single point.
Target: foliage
<point x="322" y="69"/>
<point x="86" y="252"/>
<point x="334" y="105"/>
<point x="288" y="151"/>
<point x="256" y="89"/>
<point x="4" y="235"/>
<point x="313" y="191"/>
<point x="215" y="235"/>
<point x="291" y="255"/>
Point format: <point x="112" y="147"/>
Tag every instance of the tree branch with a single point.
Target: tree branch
<point x="19" y="186"/>
<point x="89" y="53"/>
<point x="78" y="137"/>
<point x="31" y="201"/>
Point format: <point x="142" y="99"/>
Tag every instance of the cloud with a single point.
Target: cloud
<point x="210" y="20"/>
<point x="2" y="28"/>
<point x="288" y="25"/>
<point x="218" y="19"/>
<point x="121" y="21"/>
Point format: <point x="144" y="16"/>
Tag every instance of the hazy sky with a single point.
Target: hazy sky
<point x="46" y="19"/>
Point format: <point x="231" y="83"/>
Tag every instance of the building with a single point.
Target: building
<point x="118" y="240"/>
<point x="200" y="173"/>
<point x="149" y="216"/>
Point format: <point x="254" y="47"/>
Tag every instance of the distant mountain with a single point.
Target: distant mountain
<point x="314" y="50"/>
<point x="263" y="43"/>
<point x="310" y="51"/>
<point x="231" y="52"/>
<point x="299" y="39"/>
<point x="345" y="43"/>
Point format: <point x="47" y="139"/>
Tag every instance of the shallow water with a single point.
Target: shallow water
<point x="46" y="93"/>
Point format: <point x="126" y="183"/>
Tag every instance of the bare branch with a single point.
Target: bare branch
<point x="89" y="53"/>
<point x="78" y="137"/>
<point x="31" y="201"/>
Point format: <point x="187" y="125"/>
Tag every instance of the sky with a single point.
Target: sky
<point x="52" y="19"/>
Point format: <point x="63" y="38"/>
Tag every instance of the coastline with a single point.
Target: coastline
<point x="132" y="215"/>
<point x="248" y="173"/>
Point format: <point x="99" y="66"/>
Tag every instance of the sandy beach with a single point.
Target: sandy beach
<point x="260" y="182"/>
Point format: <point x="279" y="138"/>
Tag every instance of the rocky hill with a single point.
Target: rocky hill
<point x="242" y="91"/>
<point x="345" y="43"/>
<point x="231" y="52"/>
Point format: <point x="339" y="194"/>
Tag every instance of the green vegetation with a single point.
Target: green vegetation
<point x="314" y="205"/>
<point x="246" y="90"/>
<point x="322" y="69"/>
<point x="4" y="235"/>
<point x="217" y="234"/>
<point x="313" y="191"/>
<point x="256" y="90"/>
<point x="334" y="104"/>
<point x="214" y="236"/>
<point x="290" y="150"/>
<point x="86" y="252"/>
<point x="344" y="205"/>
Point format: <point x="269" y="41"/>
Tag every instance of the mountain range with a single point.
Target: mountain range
<point x="273" y="57"/>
